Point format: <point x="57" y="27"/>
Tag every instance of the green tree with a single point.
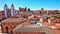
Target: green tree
<point x="55" y="16"/>
<point x="28" y="9"/>
<point x="48" y="17"/>
<point x="53" y="13"/>
<point x="26" y="16"/>
<point x="57" y="13"/>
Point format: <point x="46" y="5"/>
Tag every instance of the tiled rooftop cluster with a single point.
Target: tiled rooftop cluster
<point x="26" y="21"/>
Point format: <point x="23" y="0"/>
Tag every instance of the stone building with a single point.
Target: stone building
<point x="1" y="15"/>
<point x="29" y="28"/>
<point x="9" y="24"/>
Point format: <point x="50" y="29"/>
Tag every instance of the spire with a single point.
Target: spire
<point x="25" y="8"/>
<point x="5" y="4"/>
<point x="12" y="5"/>
<point x="19" y="7"/>
<point x="12" y="10"/>
<point x="5" y="11"/>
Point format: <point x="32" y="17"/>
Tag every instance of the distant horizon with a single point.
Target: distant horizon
<point x="32" y="4"/>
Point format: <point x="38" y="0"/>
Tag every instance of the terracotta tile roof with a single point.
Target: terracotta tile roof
<point x="57" y="25"/>
<point x="13" y="20"/>
<point x="47" y="24"/>
<point x="53" y="26"/>
<point x="27" y="27"/>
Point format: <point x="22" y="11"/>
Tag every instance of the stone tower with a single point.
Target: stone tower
<point x="12" y="10"/>
<point x="5" y="11"/>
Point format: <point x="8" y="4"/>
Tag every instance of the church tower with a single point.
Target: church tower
<point x="12" y="10"/>
<point x="5" y="11"/>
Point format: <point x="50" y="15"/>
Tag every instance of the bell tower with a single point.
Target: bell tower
<point x="12" y="10"/>
<point x="5" y="11"/>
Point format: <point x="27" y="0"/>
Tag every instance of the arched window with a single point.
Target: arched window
<point x="8" y="23"/>
<point x="17" y="23"/>
<point x="11" y="32"/>
<point x="6" y="29"/>
<point x="43" y="33"/>
<point x="11" y="26"/>
<point x="4" y="23"/>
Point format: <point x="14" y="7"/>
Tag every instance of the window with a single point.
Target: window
<point x="6" y="29"/>
<point x="11" y="32"/>
<point x="11" y="26"/>
<point x="8" y="23"/>
<point x="17" y="23"/>
<point x="43" y="33"/>
<point x="4" y="23"/>
<point x="2" y="14"/>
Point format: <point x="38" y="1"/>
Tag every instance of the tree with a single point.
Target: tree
<point x="53" y="13"/>
<point x="26" y="16"/>
<point x="42" y="9"/>
<point x="55" y="16"/>
<point x="57" y="13"/>
<point x="48" y="17"/>
<point x="28" y="9"/>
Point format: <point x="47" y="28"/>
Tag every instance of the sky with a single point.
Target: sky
<point x="32" y="4"/>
